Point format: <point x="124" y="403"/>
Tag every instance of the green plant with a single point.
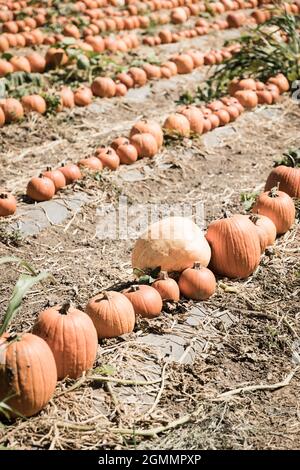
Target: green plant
<point x="263" y="54"/>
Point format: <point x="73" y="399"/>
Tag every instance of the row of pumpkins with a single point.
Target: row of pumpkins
<point x="146" y="138"/>
<point x="64" y="340"/>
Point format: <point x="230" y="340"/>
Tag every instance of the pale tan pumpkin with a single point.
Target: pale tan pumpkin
<point x="173" y="244"/>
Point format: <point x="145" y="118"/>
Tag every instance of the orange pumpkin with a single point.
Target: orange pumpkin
<point x="8" y="204"/>
<point x="145" y="144"/>
<point x="112" y="314"/>
<point x="5" y="68"/>
<point x="72" y="338"/>
<point x="127" y="153"/>
<point x="57" y="177"/>
<point x="12" y="109"/>
<point x="184" y="63"/>
<point x="28" y="373"/>
<point x="194" y="116"/>
<point x="281" y="82"/>
<point x="146" y="300"/>
<point x="235" y="246"/>
<point x="177" y="124"/>
<point x="197" y="283"/>
<point x="34" y="103"/>
<point x="138" y="76"/>
<point x="167" y="287"/>
<point x="83" y="96"/>
<point x="71" y="172"/>
<point x="40" y="188"/>
<point x="91" y="163"/>
<point x="149" y="127"/>
<point x="108" y="157"/>
<point x="247" y="98"/>
<point x="104" y="87"/>
<point x="288" y="179"/>
<point x="37" y="62"/>
<point x="118" y="142"/>
<point x="278" y="206"/>
<point x="67" y="97"/>
<point x="266" y="230"/>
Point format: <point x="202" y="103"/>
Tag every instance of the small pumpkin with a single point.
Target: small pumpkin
<point x="152" y="71"/>
<point x="235" y="246"/>
<point x="12" y="109"/>
<point x="57" y="177"/>
<point x="184" y="63"/>
<point x="71" y="172"/>
<point x="138" y="76"/>
<point x="40" y="188"/>
<point x="173" y="244"/>
<point x="37" y="62"/>
<point x="126" y="79"/>
<point x="72" y="338"/>
<point x="149" y="127"/>
<point x="224" y="116"/>
<point x="20" y="64"/>
<point x="146" y="300"/>
<point x="145" y="144"/>
<point x="34" y="103"/>
<point x="121" y="89"/>
<point x="119" y="141"/>
<point x="91" y="163"/>
<point x="104" y="87"/>
<point x="265" y="228"/>
<point x="108" y="157"/>
<point x="278" y="206"/>
<point x="247" y="98"/>
<point x="197" y="283"/>
<point x="194" y="116"/>
<point x="178" y="124"/>
<point x="127" y="153"/>
<point x="167" y="287"/>
<point x="83" y="96"/>
<point x="288" y="179"/>
<point x="5" y="68"/>
<point x="67" y="97"/>
<point x="28" y="373"/>
<point x="8" y="204"/>
<point x="112" y="314"/>
<point x="281" y="82"/>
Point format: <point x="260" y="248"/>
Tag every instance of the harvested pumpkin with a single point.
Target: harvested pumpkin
<point x="167" y="287"/>
<point x="71" y="172"/>
<point x="266" y="230"/>
<point x="235" y="246"/>
<point x="288" y="179"/>
<point x="72" y="338"/>
<point x="8" y="204"/>
<point x="40" y="188"/>
<point x="112" y="314"/>
<point x="173" y="244"/>
<point x="146" y="300"/>
<point x="197" y="283"/>
<point x="28" y="373"/>
<point x="278" y="206"/>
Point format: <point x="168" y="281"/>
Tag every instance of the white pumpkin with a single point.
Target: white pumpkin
<point x="173" y="244"/>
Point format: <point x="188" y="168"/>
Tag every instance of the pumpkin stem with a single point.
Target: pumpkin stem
<point x="134" y="288"/>
<point x="274" y="191"/>
<point x="65" y="308"/>
<point x="3" y="196"/>
<point x="12" y="337"/>
<point x="49" y="168"/>
<point x="254" y="218"/>
<point x="163" y="275"/>
<point x="197" y="265"/>
<point x="225" y="214"/>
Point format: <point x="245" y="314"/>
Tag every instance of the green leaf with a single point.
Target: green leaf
<point x="21" y="262"/>
<point x="23" y="285"/>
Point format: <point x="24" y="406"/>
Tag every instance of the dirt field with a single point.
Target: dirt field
<point x="257" y="348"/>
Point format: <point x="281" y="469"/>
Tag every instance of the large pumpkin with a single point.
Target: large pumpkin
<point x="235" y="246"/>
<point x="288" y="179"/>
<point x="173" y="244"/>
<point x="27" y="373"/>
<point x="72" y="338"/>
